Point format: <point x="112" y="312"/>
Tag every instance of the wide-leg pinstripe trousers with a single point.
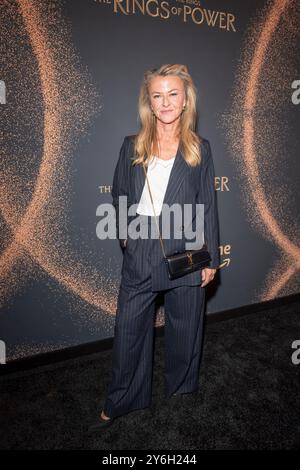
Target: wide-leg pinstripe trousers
<point x="130" y="387"/>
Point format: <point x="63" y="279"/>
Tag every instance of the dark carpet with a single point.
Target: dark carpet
<point x="248" y="398"/>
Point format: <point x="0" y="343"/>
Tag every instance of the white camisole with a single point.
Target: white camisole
<point x="158" y="176"/>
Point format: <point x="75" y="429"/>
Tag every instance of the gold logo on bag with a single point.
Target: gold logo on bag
<point x="190" y="259"/>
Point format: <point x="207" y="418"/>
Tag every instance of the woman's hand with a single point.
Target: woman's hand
<point x="208" y="275"/>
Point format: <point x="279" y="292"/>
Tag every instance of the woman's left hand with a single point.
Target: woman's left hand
<point x="208" y="275"/>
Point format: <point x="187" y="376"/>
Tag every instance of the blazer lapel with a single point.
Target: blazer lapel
<point x="179" y="171"/>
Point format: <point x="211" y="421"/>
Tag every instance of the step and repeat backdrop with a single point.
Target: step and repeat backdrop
<point x="69" y="83"/>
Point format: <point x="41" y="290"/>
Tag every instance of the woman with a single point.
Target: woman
<point x="180" y="170"/>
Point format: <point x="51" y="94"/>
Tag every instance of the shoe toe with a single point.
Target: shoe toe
<point x="100" y="424"/>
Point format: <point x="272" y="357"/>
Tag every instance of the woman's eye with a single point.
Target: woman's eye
<point x="172" y="94"/>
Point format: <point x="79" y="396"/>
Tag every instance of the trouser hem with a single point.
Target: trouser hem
<point x="111" y="412"/>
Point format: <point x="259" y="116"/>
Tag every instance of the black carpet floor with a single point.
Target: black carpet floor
<point x="249" y="396"/>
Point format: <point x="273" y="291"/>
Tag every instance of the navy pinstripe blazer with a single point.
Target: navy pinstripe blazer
<point x="185" y="185"/>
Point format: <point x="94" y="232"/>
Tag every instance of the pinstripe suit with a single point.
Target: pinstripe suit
<point x="144" y="274"/>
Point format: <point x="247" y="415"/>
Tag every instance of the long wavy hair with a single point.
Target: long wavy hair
<point x="146" y="139"/>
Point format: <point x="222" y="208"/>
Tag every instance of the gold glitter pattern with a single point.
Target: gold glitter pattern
<point x="50" y="102"/>
<point x="258" y="134"/>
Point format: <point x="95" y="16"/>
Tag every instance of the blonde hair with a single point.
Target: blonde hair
<point x="189" y="140"/>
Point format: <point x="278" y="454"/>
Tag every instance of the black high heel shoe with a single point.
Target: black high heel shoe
<point x="101" y="423"/>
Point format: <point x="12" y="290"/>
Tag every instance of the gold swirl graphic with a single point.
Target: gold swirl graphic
<point x="57" y="103"/>
<point x="263" y="83"/>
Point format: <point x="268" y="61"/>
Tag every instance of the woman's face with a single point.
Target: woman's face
<point x="167" y="97"/>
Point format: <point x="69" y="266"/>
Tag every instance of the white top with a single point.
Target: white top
<point x="158" y="176"/>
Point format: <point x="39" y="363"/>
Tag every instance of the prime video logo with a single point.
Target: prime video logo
<point x="188" y="220"/>
<point x="2" y="352"/>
